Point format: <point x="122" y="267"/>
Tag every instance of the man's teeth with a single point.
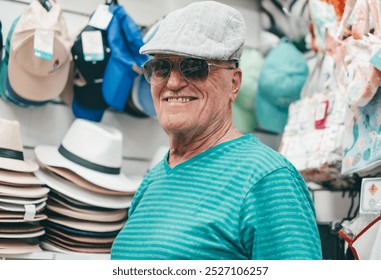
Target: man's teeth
<point x="178" y="99"/>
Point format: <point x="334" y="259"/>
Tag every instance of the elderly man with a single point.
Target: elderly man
<point x="217" y="194"/>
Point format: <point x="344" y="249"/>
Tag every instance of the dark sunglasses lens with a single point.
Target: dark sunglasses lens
<point x="194" y="70"/>
<point x="156" y="71"/>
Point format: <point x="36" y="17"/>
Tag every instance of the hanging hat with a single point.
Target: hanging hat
<point x="281" y="79"/>
<point x="39" y="73"/>
<point x="92" y="151"/>
<point x="125" y="39"/>
<point x="11" y="148"/>
<point x="88" y="102"/>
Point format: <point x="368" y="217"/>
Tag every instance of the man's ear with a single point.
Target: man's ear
<point x="236" y="83"/>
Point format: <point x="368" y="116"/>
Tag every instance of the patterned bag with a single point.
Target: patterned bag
<point x="362" y="137"/>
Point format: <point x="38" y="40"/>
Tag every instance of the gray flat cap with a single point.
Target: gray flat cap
<point x="206" y="29"/>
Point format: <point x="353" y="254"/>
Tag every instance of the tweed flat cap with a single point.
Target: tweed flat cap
<point x="206" y="29"/>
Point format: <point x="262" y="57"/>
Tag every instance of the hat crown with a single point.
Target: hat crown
<point x="207" y="29"/>
<point x="10" y="135"/>
<point x="37" y="18"/>
<point x="94" y="142"/>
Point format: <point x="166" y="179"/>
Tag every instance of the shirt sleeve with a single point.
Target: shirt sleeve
<point x="278" y="219"/>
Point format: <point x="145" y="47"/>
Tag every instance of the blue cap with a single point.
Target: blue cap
<point x="282" y="77"/>
<point x="142" y="97"/>
<point x="125" y="39"/>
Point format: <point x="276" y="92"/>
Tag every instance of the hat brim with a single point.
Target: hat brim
<point x="97" y="216"/>
<point x="18" y="165"/>
<point x="81" y="182"/>
<point x="49" y="155"/>
<point x="86" y="113"/>
<point x="19" y="218"/>
<point x="142" y="97"/>
<point x="19" y="178"/>
<point x="71" y="190"/>
<point x="88" y="226"/>
<point x="27" y="192"/>
<point x="20" y="201"/>
<point x="269" y="116"/>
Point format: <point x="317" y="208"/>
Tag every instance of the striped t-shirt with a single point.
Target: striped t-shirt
<point x="237" y="200"/>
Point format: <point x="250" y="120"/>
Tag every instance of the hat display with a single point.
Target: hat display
<point x="21" y="191"/>
<point x="81" y="182"/>
<point x="40" y="73"/>
<point x="106" y="216"/>
<point x="88" y="101"/>
<point x="11" y="149"/>
<point x="99" y="162"/>
<point x="124" y="65"/>
<point x="18" y="178"/>
<point x="281" y="79"/>
<point x="18" y="247"/>
<point x="205" y="29"/>
<point x="73" y="191"/>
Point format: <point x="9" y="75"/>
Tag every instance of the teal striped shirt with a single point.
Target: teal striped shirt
<point x="237" y="200"/>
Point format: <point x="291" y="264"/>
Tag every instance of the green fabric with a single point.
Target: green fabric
<point x="244" y="120"/>
<point x="237" y="200"/>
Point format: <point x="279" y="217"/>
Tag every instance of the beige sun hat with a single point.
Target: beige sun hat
<point x="19" y="179"/>
<point x="11" y="148"/>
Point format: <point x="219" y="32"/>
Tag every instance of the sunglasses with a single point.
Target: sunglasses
<point x="195" y="71"/>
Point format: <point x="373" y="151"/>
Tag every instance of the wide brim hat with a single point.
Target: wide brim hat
<point x="99" y="162"/>
<point x="30" y="76"/>
<point x="81" y="182"/>
<point x="97" y="216"/>
<point x="11" y="148"/>
<point x="19" y="178"/>
<point x="12" y="247"/>
<point x="12" y="217"/>
<point x="91" y="198"/>
<point x="27" y="191"/>
<point x="87" y="225"/>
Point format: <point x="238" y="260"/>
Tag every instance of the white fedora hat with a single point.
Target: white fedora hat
<point x="94" y="152"/>
<point x="11" y="148"/>
<point x="71" y="190"/>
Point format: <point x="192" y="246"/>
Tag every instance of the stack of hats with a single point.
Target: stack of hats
<point x="90" y="195"/>
<point x="22" y="195"/>
<point x="39" y="59"/>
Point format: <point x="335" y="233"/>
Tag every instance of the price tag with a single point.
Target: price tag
<point x="370" y="196"/>
<point x="43" y="43"/>
<point x="101" y="17"/>
<point x="92" y="45"/>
